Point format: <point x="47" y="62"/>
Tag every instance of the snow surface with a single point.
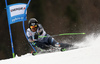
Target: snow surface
<point x="88" y="53"/>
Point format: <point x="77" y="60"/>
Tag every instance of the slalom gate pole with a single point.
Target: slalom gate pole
<point x="13" y="54"/>
<point x="24" y="26"/>
<point x="64" y="34"/>
<point x="11" y="41"/>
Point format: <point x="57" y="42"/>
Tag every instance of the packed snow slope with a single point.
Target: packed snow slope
<point x="88" y="53"/>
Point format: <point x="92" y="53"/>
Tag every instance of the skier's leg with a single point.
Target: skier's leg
<point x="41" y="44"/>
<point x="53" y="42"/>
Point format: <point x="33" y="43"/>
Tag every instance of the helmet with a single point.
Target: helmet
<point x="32" y="22"/>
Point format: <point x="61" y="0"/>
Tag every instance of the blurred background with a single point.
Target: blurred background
<point x="56" y="16"/>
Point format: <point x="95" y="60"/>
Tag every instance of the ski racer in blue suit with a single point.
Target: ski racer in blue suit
<point x="35" y="30"/>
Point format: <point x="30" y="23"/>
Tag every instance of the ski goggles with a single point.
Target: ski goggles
<point x="32" y="27"/>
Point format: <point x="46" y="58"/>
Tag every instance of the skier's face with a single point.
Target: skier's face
<point x="33" y="29"/>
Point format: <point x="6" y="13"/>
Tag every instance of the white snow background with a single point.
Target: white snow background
<point x="88" y="53"/>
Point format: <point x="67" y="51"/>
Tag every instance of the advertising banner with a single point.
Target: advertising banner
<point x="15" y="13"/>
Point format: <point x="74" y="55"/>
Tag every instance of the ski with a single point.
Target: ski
<point x="51" y="50"/>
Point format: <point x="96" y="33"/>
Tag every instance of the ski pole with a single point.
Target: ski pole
<point x="64" y="34"/>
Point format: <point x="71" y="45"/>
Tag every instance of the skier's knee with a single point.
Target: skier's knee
<point x="51" y="41"/>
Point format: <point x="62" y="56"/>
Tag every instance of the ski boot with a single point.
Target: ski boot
<point x="58" y="46"/>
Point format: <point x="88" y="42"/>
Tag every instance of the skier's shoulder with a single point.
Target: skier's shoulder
<point x="40" y="26"/>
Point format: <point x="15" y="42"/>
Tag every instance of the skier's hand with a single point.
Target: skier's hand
<point x="36" y="36"/>
<point x="34" y="44"/>
<point x="30" y="40"/>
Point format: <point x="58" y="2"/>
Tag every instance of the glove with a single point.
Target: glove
<point x="33" y="43"/>
<point x="36" y="36"/>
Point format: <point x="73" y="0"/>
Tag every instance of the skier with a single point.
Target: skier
<point x="36" y="30"/>
<point x="36" y="33"/>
